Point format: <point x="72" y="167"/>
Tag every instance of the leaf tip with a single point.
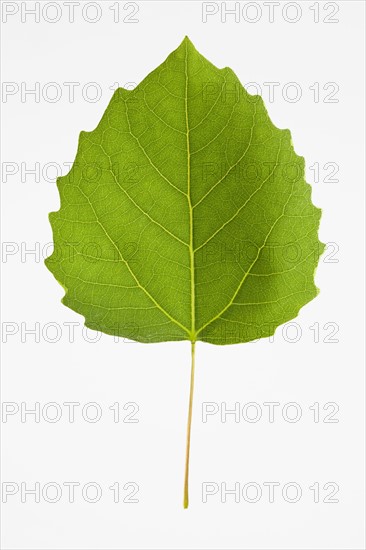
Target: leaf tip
<point x="187" y="42"/>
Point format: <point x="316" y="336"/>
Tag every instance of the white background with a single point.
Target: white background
<point x="156" y="377"/>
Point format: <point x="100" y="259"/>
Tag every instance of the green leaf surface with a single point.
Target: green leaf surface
<point x="186" y="215"/>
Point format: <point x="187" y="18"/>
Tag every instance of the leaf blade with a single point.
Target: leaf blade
<point x="165" y="232"/>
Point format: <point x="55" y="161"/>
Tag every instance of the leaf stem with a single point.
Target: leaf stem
<point x="189" y="422"/>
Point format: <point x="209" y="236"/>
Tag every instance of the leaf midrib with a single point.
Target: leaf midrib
<point x="191" y="250"/>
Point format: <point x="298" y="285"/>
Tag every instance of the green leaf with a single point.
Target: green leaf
<point x="186" y="215"/>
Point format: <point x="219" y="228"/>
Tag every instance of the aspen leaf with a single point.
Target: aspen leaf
<point x="186" y="215"/>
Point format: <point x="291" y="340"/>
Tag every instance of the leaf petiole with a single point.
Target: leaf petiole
<point x="189" y="422"/>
